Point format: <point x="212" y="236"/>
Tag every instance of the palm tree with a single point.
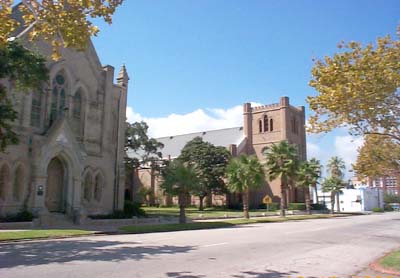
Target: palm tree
<point x="243" y="173"/>
<point x="282" y="163"/>
<point x="180" y="180"/>
<point x="333" y="185"/>
<point x="336" y="167"/>
<point x="307" y="175"/>
<point x="316" y="164"/>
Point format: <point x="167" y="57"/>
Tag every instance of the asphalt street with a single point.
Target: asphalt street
<point x="337" y="247"/>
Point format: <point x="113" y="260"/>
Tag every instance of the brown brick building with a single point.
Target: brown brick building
<point x="262" y="126"/>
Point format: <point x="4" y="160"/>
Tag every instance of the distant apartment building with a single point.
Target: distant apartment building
<point x="389" y="184"/>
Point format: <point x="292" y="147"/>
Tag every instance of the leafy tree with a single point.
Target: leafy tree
<point x="180" y="180"/>
<point x="147" y="153"/>
<point x="336" y="167"/>
<point x="379" y="156"/>
<point x="137" y="140"/>
<point x="210" y="162"/>
<point x="26" y="71"/>
<point x="243" y="173"/>
<point x="333" y="185"/>
<point x="61" y="23"/>
<point x="307" y="175"/>
<point x="358" y="87"/>
<point x="282" y="162"/>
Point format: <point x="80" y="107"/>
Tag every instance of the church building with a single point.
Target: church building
<point x="262" y="126"/>
<point x="70" y="158"/>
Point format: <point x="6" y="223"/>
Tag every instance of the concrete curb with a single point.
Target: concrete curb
<point x="375" y="266"/>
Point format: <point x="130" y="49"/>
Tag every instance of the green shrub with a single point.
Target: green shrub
<point x="318" y="207"/>
<point x="118" y="214"/>
<point x="130" y="209"/>
<point x="388" y="207"/>
<point x="391" y="198"/>
<point x="236" y="206"/>
<point x="296" y="206"/>
<point x="377" y="210"/>
<point x="133" y="209"/>
<point x="22" y="216"/>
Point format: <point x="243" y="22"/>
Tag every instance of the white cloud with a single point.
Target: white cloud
<point x="313" y="150"/>
<point x="198" y="120"/>
<point x="346" y="148"/>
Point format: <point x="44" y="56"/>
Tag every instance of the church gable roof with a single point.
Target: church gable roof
<point x="173" y="145"/>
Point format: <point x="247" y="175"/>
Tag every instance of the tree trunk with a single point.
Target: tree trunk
<point x="246" y="204"/>
<point x="283" y="197"/>
<point x="307" y="199"/>
<point x="337" y="202"/>
<point x="182" y="205"/>
<point x="201" y="202"/>
<point x="332" y="202"/>
<point x="316" y="195"/>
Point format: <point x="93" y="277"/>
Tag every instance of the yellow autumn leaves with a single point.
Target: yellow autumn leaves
<point x="358" y="87"/>
<point x="60" y="23"/>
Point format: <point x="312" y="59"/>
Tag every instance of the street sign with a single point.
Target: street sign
<point x="267" y="200"/>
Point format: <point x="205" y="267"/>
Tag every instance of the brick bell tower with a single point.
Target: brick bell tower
<point x="268" y="124"/>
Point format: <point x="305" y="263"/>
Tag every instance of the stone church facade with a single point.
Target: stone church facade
<point x="262" y="126"/>
<point x="70" y="156"/>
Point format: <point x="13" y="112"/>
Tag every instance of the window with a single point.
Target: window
<point x="36" y="109"/>
<point x="294" y="125"/>
<point x="87" y="187"/>
<point x="98" y="186"/>
<point x="271" y="125"/>
<point x="4" y="180"/>
<point x="61" y="104"/>
<point x="77" y="105"/>
<point x="265" y="123"/>
<point x="58" y="97"/>
<point x="18" y="185"/>
<point x="260" y="125"/>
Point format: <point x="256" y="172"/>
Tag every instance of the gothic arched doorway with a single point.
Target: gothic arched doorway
<point x="55" y="186"/>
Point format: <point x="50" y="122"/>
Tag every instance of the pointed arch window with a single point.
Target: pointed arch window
<point x="87" y="187"/>
<point x="265" y="123"/>
<point x="58" y="96"/>
<point x="18" y="184"/>
<point x="271" y="125"/>
<point x="260" y="125"/>
<point x="77" y="105"/>
<point x="4" y="181"/>
<point x="36" y="109"/>
<point x="98" y="187"/>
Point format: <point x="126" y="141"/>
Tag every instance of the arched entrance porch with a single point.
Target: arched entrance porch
<point x="56" y="185"/>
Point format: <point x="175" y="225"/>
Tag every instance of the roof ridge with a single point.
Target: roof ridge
<point x="202" y="131"/>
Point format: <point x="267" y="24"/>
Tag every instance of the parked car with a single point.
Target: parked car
<point x="395" y="206"/>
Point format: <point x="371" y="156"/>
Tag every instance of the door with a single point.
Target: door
<point x="55" y="186"/>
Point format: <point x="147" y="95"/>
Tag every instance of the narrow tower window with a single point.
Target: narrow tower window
<point x="271" y="125"/>
<point x="265" y="123"/>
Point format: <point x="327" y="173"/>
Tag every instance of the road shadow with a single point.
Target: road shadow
<point x="268" y="273"/>
<point x="41" y="253"/>
<point x="183" y="274"/>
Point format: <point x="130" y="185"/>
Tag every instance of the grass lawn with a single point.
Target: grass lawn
<point x="195" y="213"/>
<point x="391" y="261"/>
<point x="32" y="234"/>
<point x="213" y="225"/>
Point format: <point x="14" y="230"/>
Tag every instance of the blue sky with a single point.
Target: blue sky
<point x="198" y="60"/>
